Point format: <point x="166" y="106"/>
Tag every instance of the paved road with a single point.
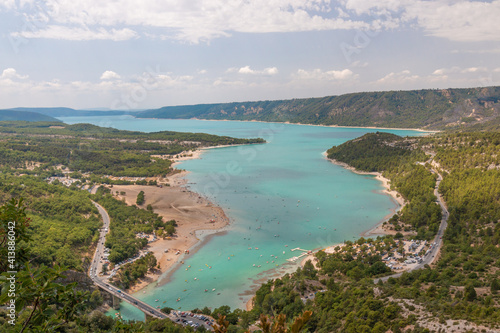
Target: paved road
<point x="95" y="267"/>
<point x="144" y="307"/>
<point x="437" y="242"/>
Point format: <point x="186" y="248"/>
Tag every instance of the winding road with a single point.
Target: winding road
<point x="438" y="240"/>
<point x="150" y="310"/>
<point x="124" y="296"/>
<point x="146" y="308"/>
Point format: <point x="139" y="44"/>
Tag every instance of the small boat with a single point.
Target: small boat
<point x="156" y="300"/>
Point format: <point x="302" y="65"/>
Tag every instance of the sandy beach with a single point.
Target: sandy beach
<point x="195" y="215"/>
<point x="183" y="156"/>
<point x="198" y="218"/>
<point x="193" y="154"/>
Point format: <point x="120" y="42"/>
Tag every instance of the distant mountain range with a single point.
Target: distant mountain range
<point x="469" y="108"/>
<point x="68" y="112"/>
<point x="14" y="115"/>
<point x="478" y="108"/>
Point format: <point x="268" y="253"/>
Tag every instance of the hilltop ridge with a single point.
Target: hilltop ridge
<point x="427" y="109"/>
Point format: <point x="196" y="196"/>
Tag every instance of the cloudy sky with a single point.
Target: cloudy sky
<point x="138" y="54"/>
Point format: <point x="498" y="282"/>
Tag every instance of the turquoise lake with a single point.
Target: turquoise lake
<point x="279" y="196"/>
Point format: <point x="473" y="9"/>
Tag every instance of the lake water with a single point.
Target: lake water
<point x="279" y="196"/>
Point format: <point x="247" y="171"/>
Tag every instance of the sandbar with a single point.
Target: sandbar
<point x="195" y="215"/>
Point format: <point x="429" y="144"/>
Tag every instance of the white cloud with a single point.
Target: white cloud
<point x="248" y="70"/>
<point x="11" y="73"/>
<point x="77" y="33"/>
<point x="465" y="21"/>
<point x="271" y="71"/>
<point x="223" y="82"/>
<point x="193" y="21"/>
<point x="332" y="75"/>
<point x="110" y="75"/>
<point x="359" y="64"/>
<point x="203" y="20"/>
<point x="404" y="76"/>
<point x="459" y="70"/>
<point x="7" y="4"/>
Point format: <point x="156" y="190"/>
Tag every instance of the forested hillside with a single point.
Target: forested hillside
<point x="15" y="115"/>
<point x="431" y="109"/>
<point x="397" y="159"/>
<point x="464" y="283"/>
<point x="85" y="148"/>
<point x="334" y="293"/>
<point x="68" y="112"/>
<point x="49" y="217"/>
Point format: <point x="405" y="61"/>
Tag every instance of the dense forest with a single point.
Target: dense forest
<point x="63" y="223"/>
<point x="396" y="158"/>
<point x="57" y="225"/>
<point x="477" y="108"/>
<point x="42" y="147"/>
<point x="339" y="292"/>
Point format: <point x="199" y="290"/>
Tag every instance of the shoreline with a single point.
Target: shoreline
<point x="193" y="230"/>
<point x="197" y="218"/>
<point x="378" y="228"/>
<point x="192" y="235"/>
<point x="302" y="124"/>
<point x="319" y="125"/>
<point x="393" y="194"/>
<point x="198" y="152"/>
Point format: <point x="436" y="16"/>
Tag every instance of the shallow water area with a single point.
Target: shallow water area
<point x="280" y="196"/>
